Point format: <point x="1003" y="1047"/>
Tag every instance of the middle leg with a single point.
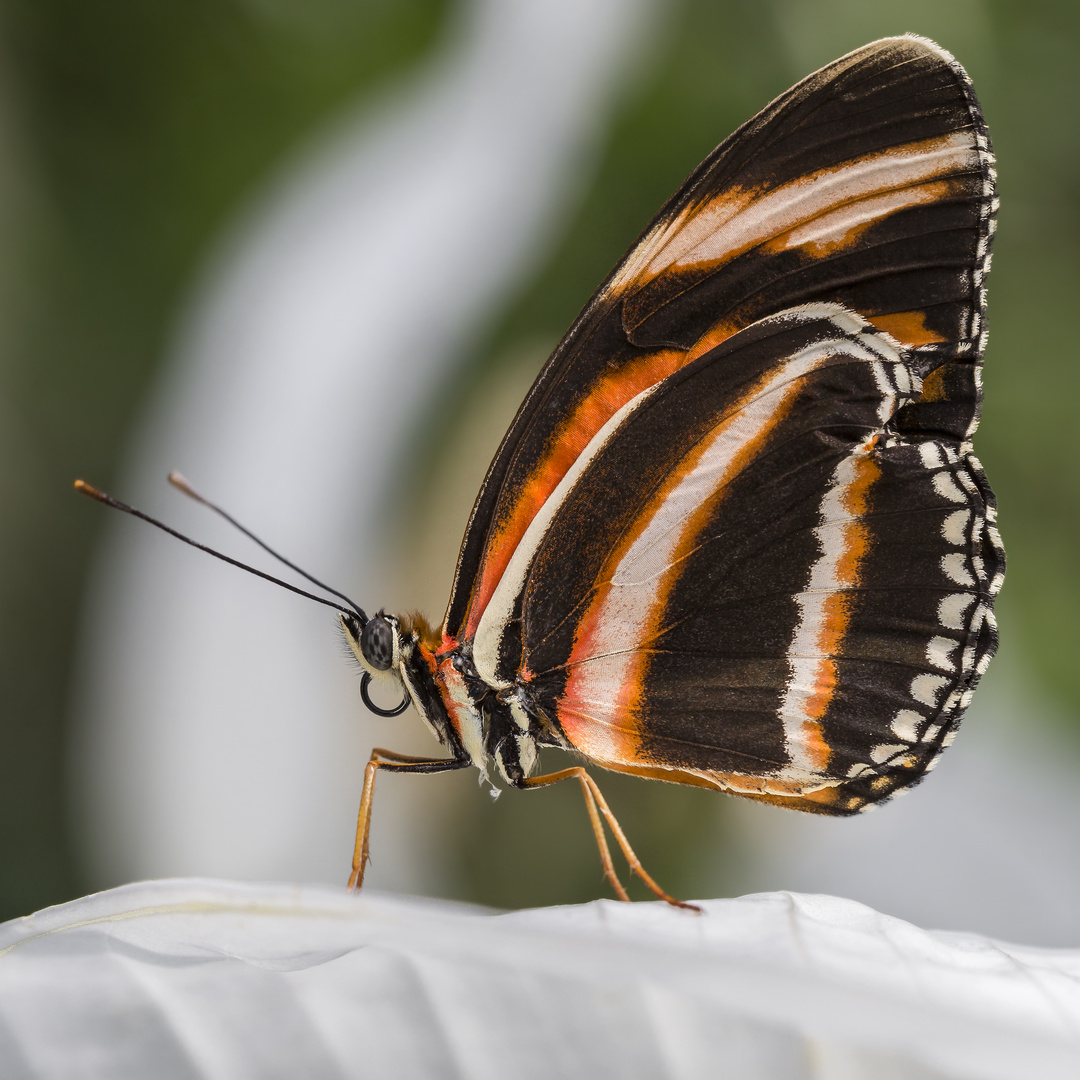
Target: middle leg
<point x="598" y="808"/>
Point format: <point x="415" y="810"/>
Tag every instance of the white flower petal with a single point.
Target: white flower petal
<point x="218" y="979"/>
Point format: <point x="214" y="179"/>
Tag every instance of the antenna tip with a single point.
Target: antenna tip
<point x="180" y="482"/>
<point x="88" y="489"/>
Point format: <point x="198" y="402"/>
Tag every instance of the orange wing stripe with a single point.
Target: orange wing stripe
<point x="608" y="659"/>
<point x="908" y="327"/>
<point x="820" y="211"/>
<point x="607" y="395"/>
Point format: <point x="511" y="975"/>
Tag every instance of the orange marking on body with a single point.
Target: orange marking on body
<point x="455" y="696"/>
<point x="907" y="327"/>
<point x="430" y="640"/>
<point x="429" y="657"/>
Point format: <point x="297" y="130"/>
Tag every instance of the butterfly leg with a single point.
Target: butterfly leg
<point x="598" y="808"/>
<point x="594" y="817"/>
<point x="402" y="763"/>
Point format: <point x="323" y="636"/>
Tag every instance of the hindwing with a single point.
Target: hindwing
<point x="754" y="582"/>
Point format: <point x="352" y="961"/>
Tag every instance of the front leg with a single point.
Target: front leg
<point x="387" y="759"/>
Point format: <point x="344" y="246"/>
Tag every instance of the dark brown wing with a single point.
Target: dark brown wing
<point x="870" y="184"/>
<point x="756" y="584"/>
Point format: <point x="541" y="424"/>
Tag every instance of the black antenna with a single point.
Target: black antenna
<point x="181" y="484"/>
<point x="89" y="489"/>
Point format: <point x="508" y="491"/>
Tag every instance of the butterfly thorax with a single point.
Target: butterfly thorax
<point x="496" y="725"/>
<point x="473" y="719"/>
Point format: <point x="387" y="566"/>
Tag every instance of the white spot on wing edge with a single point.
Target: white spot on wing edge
<point x="954" y="567"/>
<point x="931" y="455"/>
<point x="937" y="652"/>
<point x="955" y="527"/>
<point x="952" y="610"/>
<point x="945" y="486"/>
<point x="880" y="754"/>
<point x="906" y="725"/>
<point x="926" y="688"/>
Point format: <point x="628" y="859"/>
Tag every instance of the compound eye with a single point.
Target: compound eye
<point x="377" y="643"/>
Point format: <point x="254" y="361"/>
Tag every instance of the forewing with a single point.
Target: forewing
<point x="755" y="582"/>
<point x="870" y="184"/>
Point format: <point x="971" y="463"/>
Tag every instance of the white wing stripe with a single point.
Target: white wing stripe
<point x="501" y="605"/>
<point x="639" y="583"/>
<point x="732" y="224"/>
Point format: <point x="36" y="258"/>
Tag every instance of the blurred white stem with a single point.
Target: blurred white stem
<point x="217" y="729"/>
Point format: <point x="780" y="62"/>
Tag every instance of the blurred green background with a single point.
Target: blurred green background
<point x="130" y="133"/>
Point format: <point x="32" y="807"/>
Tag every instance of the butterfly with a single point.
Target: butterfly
<point x="736" y="536"/>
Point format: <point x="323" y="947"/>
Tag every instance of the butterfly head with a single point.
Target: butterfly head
<point x="375" y="642"/>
